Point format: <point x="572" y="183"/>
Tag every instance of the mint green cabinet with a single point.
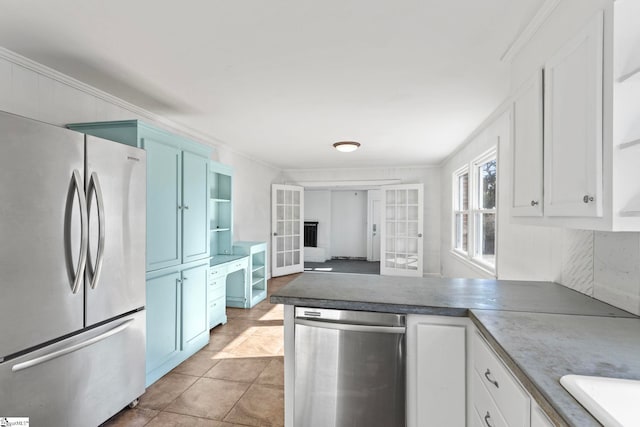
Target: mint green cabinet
<point x="178" y="239"/>
<point x="163" y="319"/>
<point x="194" y="304"/>
<point x="177" y="190"/>
<point x="177" y="316"/>
<point x="164" y="196"/>
<point x="195" y="192"/>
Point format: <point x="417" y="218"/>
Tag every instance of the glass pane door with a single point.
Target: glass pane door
<point x="287" y="236"/>
<point x="402" y="244"/>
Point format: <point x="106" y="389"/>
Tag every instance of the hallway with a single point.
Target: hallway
<point x="237" y="380"/>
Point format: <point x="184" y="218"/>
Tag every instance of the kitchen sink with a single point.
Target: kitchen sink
<point x="612" y="401"/>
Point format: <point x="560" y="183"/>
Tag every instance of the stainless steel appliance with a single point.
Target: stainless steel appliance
<point x="72" y="278"/>
<point x="350" y="369"/>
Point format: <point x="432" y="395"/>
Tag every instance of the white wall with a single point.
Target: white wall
<point x="317" y="207"/>
<point x="524" y="252"/>
<point x="427" y="175"/>
<point x="56" y="99"/>
<point x="349" y="224"/>
<point x="604" y="265"/>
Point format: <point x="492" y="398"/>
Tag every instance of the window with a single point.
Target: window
<point x="474" y="211"/>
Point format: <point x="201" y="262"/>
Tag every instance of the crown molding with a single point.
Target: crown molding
<point x="140" y="112"/>
<point x="530" y="30"/>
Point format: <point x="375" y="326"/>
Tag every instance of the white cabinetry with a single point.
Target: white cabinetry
<point x="591" y="123"/>
<point x="527" y="149"/>
<point x="436" y="371"/>
<point x="573" y="125"/>
<point x="496" y="393"/>
<point x="497" y="398"/>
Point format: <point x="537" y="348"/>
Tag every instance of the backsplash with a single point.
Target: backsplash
<point x="603" y="265"/>
<point x="577" y="260"/>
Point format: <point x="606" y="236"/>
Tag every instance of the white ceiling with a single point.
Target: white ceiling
<point x="281" y="80"/>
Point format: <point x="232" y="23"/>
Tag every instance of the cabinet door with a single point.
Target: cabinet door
<point x="195" y="196"/>
<point x="163" y="319"/>
<point x="573" y="126"/>
<point x="527" y="149"/>
<point x="194" y="303"/>
<point x="164" y="195"/>
<point x="441" y="375"/>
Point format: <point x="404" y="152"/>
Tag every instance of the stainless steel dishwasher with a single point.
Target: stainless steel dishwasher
<point x="350" y="369"/>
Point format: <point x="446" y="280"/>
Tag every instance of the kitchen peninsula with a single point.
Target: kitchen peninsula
<point x="540" y="330"/>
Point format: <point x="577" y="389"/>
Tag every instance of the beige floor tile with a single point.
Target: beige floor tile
<point x="260" y="406"/>
<point x="167" y="419"/>
<point x="136" y="417"/>
<point x="234" y="327"/>
<point x="208" y="398"/>
<point x="276" y="331"/>
<point x="165" y="390"/>
<point x="197" y="364"/>
<point x="273" y="374"/>
<point x="219" y="341"/>
<point x="257" y="346"/>
<point x="240" y="369"/>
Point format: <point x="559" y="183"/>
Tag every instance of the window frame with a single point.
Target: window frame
<point x="458" y="211"/>
<point x="473" y="254"/>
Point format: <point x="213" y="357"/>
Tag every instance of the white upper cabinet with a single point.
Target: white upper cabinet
<point x="586" y="142"/>
<point x="527" y="149"/>
<point x="573" y="125"/>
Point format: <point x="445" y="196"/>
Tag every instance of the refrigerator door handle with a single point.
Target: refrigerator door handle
<point x="94" y="184"/>
<point x="55" y="354"/>
<point x="84" y="227"/>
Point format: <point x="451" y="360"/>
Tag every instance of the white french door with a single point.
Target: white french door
<point x="287" y="237"/>
<point x="401" y="230"/>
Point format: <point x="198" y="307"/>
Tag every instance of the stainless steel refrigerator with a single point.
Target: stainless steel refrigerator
<point x="72" y="278"/>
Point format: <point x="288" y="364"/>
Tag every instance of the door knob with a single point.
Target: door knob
<point x="587" y="198"/>
<point x="534" y="203"/>
<point x="419" y="234"/>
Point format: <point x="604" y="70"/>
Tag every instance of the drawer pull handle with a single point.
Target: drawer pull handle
<point x="487" y="418"/>
<point x="492" y="381"/>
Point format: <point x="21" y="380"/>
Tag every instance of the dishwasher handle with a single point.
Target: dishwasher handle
<point x="351" y="327"/>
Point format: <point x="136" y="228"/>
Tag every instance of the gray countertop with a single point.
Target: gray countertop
<point x="542" y="330"/>
<point x="448" y="297"/>
<point x="541" y="348"/>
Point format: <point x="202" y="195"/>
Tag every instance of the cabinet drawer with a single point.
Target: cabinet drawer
<point x="216" y="288"/>
<point x="240" y="264"/>
<point x="216" y="306"/>
<point x="218" y="270"/>
<point x="509" y="396"/>
<point x="487" y="413"/>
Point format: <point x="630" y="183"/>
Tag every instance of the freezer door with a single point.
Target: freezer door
<point x="116" y="196"/>
<point x="78" y="382"/>
<point x="41" y="170"/>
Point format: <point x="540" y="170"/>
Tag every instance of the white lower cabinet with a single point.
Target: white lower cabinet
<point x="497" y="399"/>
<point x="493" y="378"/>
<point x="436" y="371"/>
<point x="538" y="418"/>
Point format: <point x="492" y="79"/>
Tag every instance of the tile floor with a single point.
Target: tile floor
<point x="237" y="380"/>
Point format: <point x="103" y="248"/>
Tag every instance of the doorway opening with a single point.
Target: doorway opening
<point x="345" y="226"/>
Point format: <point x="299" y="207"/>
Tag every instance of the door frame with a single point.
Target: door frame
<point x="294" y="268"/>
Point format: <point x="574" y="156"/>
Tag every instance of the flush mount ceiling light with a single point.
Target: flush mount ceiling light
<point x="346" y="146"/>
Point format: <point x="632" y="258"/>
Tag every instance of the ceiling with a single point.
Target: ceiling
<point x="281" y="80"/>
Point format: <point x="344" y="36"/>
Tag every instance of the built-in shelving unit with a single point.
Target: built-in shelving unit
<point x="256" y="284"/>
<point x="221" y="208"/>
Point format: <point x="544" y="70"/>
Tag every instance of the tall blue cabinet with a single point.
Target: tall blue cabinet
<point x="178" y="240"/>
